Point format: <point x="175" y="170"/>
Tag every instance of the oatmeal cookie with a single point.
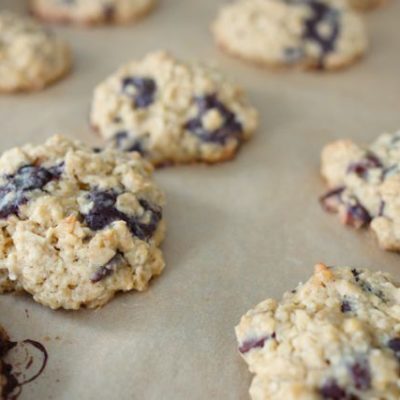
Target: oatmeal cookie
<point x="172" y="112"/>
<point x="77" y="225"/>
<point x="314" y="34"/>
<point x="91" y="12"/>
<point x="364" y="186"/>
<point x="31" y="57"/>
<point x="335" y="337"/>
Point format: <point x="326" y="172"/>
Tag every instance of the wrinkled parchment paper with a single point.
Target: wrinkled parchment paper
<point x="237" y="232"/>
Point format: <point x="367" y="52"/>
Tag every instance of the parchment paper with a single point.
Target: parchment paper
<point x="237" y="232"/>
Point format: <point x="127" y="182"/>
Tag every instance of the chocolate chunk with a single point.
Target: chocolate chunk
<point x="361" y="168"/>
<point x="322" y="14"/>
<point x="356" y="215"/>
<point x="27" y="179"/>
<point x="345" y="306"/>
<point x="145" y="90"/>
<point x="107" y="269"/>
<point x="104" y="212"/>
<point x="356" y="273"/>
<point x="254" y="343"/>
<point x="332" y="391"/>
<point x="230" y="127"/>
<point x="361" y="375"/>
<point x="394" y="344"/>
<point x="366" y="286"/>
<point x="125" y="142"/>
<point x="30" y="177"/>
<point x="331" y="200"/>
<point x="146" y="230"/>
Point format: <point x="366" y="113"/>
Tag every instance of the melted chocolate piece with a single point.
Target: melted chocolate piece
<point x="345" y="306"/>
<point x="362" y="167"/>
<point x="145" y="90"/>
<point x="43" y="350"/>
<point x="361" y="375"/>
<point x="13" y="387"/>
<point x="254" y="343"/>
<point x="394" y="345"/>
<point x="356" y="273"/>
<point x="126" y="142"/>
<point x="322" y="13"/>
<point x="104" y="212"/>
<point x="356" y="215"/>
<point x="230" y="128"/>
<point x="332" y="391"/>
<point x="366" y="287"/>
<point x="6" y="346"/>
<point x="28" y="178"/>
<point x="107" y="269"/>
<point x="331" y="200"/>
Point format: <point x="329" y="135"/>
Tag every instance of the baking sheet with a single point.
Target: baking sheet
<point x="237" y="232"/>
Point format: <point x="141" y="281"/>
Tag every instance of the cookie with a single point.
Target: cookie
<point x="313" y="34"/>
<point x="31" y="56"/>
<point x="364" y="5"/>
<point x="172" y="112"/>
<point x="335" y="337"/>
<point x="91" y="12"/>
<point x="364" y="186"/>
<point x="78" y="225"/>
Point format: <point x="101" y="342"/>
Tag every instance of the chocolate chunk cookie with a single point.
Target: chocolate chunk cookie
<point x="31" y="56"/>
<point x="77" y="226"/>
<point x="335" y="337"/>
<point x="316" y="34"/>
<point x="364" y="186"/>
<point x="172" y="112"/>
<point x="91" y="12"/>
